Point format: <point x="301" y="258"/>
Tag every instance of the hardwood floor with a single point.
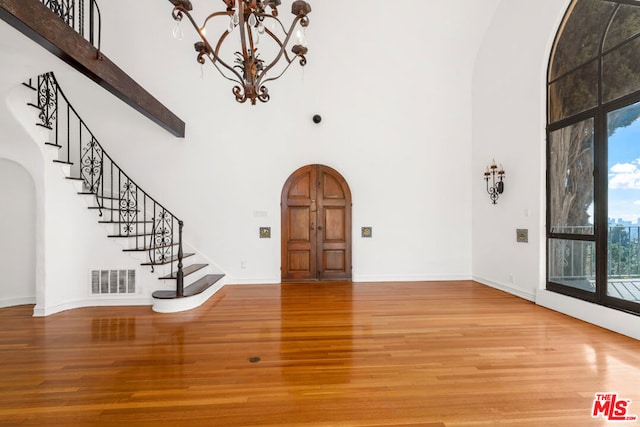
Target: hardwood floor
<point x="431" y="354"/>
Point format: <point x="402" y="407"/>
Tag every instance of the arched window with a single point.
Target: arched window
<point x="593" y="154"/>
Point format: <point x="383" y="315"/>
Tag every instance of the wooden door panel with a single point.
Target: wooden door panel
<point x="334" y="261"/>
<point x="299" y="224"/>
<point x="316" y="225"/>
<point x="301" y="188"/>
<point x="299" y="261"/>
<point x="334" y="224"/>
<point x="331" y="187"/>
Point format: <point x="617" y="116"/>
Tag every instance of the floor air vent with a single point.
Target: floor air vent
<point x="113" y="281"/>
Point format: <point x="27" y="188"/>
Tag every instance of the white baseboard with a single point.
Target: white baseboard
<point x="12" y="302"/>
<point x="357" y="278"/>
<point x="506" y="288"/>
<point x="608" y="318"/>
<point x="253" y="281"/>
<point x="40" y="311"/>
<point x="411" y="278"/>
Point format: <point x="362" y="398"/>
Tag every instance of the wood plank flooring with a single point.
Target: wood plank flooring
<point x="454" y="354"/>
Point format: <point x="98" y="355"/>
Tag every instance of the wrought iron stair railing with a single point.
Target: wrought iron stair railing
<point x="81" y="15"/>
<point x="119" y="200"/>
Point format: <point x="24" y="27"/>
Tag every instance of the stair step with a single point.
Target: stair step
<point x="130" y="235"/>
<point x="100" y="196"/>
<point x="168" y="260"/>
<point x="73" y="178"/>
<point x="187" y="270"/>
<point x="149" y="249"/>
<point x="89" y="193"/>
<point x="195" y="288"/>
<point x="64" y="162"/>
<point x="105" y="208"/>
<point x="125" y="222"/>
<point x="44" y="126"/>
<point x="51" y="144"/>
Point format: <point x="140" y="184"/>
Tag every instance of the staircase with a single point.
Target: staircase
<point x="143" y="226"/>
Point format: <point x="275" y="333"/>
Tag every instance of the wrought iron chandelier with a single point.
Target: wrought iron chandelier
<point x="253" y="22"/>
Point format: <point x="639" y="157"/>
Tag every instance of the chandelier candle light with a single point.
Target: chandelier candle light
<point x="252" y="20"/>
<point x="497" y="185"/>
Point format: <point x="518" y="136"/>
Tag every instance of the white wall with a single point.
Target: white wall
<point x="403" y="144"/>
<point x="509" y="120"/>
<point x="394" y="90"/>
<point x="17" y="228"/>
<point x="414" y="106"/>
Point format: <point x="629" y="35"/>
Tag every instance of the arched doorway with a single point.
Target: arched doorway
<point x="316" y="225"/>
<point x="17" y="228"/>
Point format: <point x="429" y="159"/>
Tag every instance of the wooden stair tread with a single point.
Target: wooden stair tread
<point x="168" y="260"/>
<point x="89" y="193"/>
<point x="101" y="196"/>
<point x="125" y="222"/>
<point x="195" y="288"/>
<point x="130" y="235"/>
<point x="113" y="209"/>
<point x="145" y="249"/>
<point x="187" y="270"/>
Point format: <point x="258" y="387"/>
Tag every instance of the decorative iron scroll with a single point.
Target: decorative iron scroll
<point x="72" y="12"/>
<point x="128" y="207"/>
<point x="64" y="9"/>
<point x="91" y="165"/>
<point x="162" y="238"/>
<point x="47" y="100"/>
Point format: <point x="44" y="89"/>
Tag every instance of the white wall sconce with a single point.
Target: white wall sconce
<point x="496" y="175"/>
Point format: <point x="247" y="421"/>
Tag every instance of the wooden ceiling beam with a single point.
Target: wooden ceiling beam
<point x="37" y="22"/>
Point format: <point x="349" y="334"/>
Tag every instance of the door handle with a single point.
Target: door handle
<point x="320" y="227"/>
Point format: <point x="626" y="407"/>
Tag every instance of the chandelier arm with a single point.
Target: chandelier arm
<point x="211" y="53"/>
<point x="276" y="77"/>
<point x="220" y="41"/>
<point x="181" y="11"/>
<point x="231" y="79"/>
<point x="213" y="15"/>
<point x="283" y="47"/>
<point x="277" y="40"/>
<point x="243" y="40"/>
<point x="266" y="15"/>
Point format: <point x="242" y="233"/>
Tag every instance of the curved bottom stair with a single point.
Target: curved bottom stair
<point x="194" y="295"/>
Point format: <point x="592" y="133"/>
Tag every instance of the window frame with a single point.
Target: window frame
<point x="600" y="164"/>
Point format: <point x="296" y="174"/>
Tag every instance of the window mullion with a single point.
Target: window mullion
<point x="601" y="214"/>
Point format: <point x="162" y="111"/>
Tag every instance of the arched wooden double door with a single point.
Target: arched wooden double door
<point x="316" y="225"/>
